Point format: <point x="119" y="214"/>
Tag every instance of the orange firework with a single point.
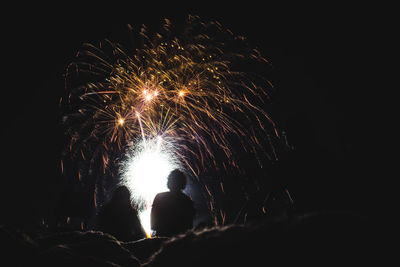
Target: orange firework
<point x="197" y="90"/>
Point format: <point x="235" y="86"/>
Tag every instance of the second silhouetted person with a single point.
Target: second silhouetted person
<point x="172" y="212"/>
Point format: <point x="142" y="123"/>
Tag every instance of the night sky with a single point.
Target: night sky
<point x="323" y="70"/>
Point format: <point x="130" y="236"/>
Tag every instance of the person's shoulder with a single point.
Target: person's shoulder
<point x="161" y="195"/>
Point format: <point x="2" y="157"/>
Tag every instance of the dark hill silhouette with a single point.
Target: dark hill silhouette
<point x="314" y="239"/>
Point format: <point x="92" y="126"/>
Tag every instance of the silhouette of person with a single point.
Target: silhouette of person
<point x="119" y="218"/>
<point x="172" y="212"/>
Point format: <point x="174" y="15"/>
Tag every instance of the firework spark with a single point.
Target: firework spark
<point x="186" y="89"/>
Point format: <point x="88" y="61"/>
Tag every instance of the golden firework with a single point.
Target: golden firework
<point x="197" y="89"/>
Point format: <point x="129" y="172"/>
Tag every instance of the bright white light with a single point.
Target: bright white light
<point x="146" y="172"/>
<point x="144" y="217"/>
<point x="121" y="121"/>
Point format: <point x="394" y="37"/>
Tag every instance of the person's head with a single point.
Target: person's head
<point x="121" y="194"/>
<point x="176" y="180"/>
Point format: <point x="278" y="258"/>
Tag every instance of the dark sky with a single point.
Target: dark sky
<point x="323" y="58"/>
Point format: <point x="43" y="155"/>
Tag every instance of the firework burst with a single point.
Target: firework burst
<point x="188" y="89"/>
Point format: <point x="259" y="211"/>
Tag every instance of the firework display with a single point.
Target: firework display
<point x="194" y="91"/>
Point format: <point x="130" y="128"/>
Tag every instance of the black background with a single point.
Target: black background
<point x="326" y="73"/>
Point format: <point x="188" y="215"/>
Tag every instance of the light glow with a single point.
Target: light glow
<point x="145" y="174"/>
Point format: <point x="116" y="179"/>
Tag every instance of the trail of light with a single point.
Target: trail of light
<point x="141" y="128"/>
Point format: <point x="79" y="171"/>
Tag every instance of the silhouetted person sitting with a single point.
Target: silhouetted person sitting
<point x="172" y="212"/>
<point x="119" y="218"/>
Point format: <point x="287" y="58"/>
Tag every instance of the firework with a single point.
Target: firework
<point x="185" y="88"/>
